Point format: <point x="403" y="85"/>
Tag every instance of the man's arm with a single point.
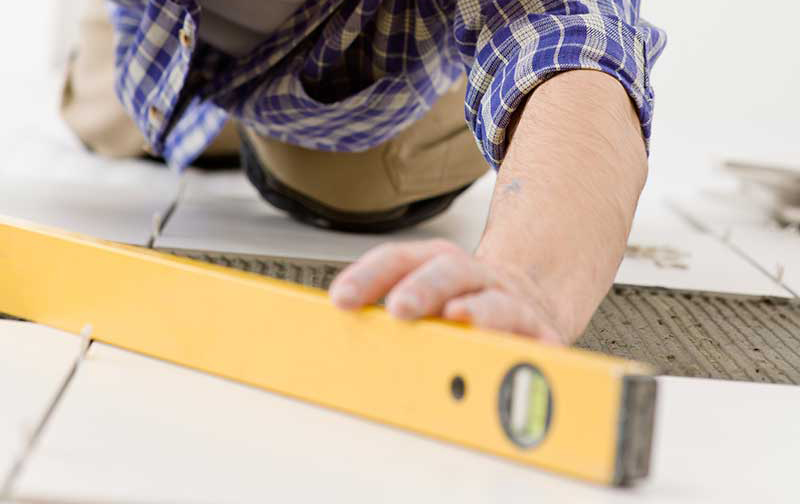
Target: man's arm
<point x="567" y="192"/>
<point x="560" y="216"/>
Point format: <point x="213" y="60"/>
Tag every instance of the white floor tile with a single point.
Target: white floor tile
<point x="133" y="429"/>
<point x="34" y="361"/>
<point x="223" y="213"/>
<point x="675" y="254"/>
<point x="749" y="230"/>
<point x="59" y="185"/>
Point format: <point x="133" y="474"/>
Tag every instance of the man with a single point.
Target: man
<point x="351" y="117"/>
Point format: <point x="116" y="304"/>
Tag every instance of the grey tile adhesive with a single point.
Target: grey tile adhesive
<point x="681" y="333"/>
<point x="699" y="334"/>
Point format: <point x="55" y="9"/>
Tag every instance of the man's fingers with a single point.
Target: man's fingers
<point x="494" y="309"/>
<point x="437" y="278"/>
<point x="371" y="277"/>
<point x="488" y="309"/>
<point x="424" y="291"/>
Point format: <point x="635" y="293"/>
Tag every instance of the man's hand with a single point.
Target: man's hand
<point x="437" y="279"/>
<point x="559" y="222"/>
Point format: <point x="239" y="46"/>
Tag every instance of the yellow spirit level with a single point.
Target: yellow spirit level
<point x="567" y="410"/>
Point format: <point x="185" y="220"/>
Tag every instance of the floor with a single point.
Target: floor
<point x="700" y="334"/>
<point x="707" y="290"/>
<point x="680" y="332"/>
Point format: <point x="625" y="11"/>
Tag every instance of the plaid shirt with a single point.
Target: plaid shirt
<point x="347" y="75"/>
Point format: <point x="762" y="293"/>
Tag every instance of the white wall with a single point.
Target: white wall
<point x="31" y="40"/>
<point x="727" y="85"/>
<point x="733" y="59"/>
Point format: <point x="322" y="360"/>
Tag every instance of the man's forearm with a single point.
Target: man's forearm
<point x="567" y="192"/>
<point x="560" y="218"/>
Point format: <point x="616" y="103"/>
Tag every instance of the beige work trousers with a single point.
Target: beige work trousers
<point x="436" y="155"/>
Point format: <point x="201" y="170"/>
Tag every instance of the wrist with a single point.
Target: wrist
<point x="568" y="311"/>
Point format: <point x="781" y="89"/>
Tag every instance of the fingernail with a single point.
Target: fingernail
<point x="405" y="306"/>
<point x="345" y="296"/>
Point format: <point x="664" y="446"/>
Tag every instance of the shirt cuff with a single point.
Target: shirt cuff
<point x="525" y="53"/>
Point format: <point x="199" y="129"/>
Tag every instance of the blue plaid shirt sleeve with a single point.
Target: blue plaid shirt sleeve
<point x="152" y="72"/>
<point x="510" y="47"/>
<point x="347" y="75"/>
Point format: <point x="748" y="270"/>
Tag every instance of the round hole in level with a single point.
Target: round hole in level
<point x="525" y="405"/>
<point x="458" y="388"/>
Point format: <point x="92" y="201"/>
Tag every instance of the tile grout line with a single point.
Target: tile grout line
<point x="161" y="219"/>
<point x="19" y="463"/>
<point x="699" y="226"/>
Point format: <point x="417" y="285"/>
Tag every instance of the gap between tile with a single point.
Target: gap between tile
<point x="7" y="488"/>
<point x="702" y="228"/>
